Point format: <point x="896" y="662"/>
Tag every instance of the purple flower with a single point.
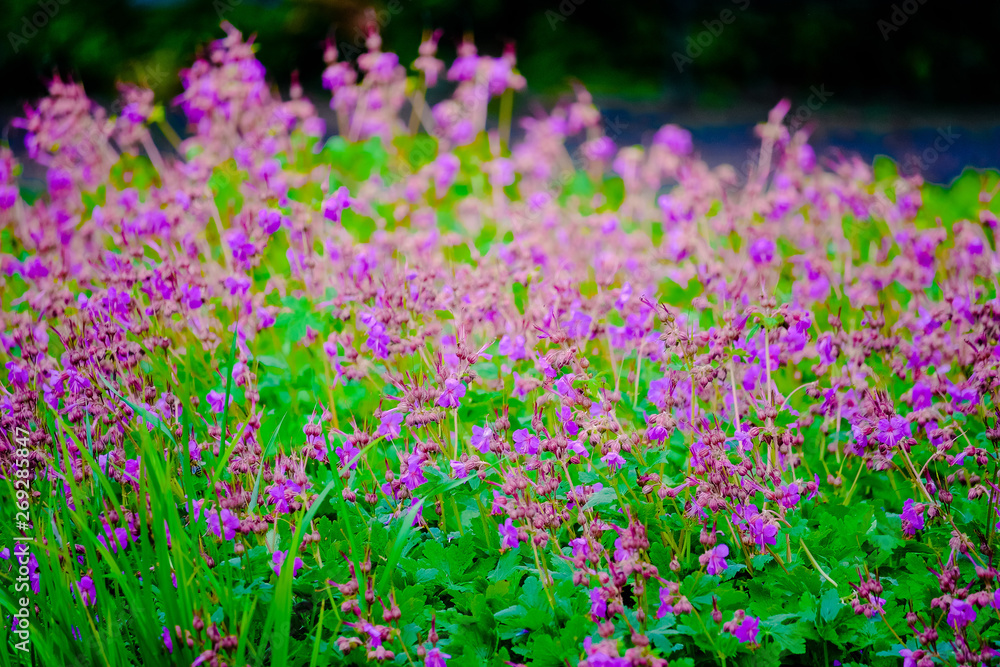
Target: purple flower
<point x="674" y="138"/>
<point x="922" y="396"/>
<point x="167" y="641"/>
<point x="459" y="469"/>
<point x="347" y="454"/>
<point x="270" y="220"/>
<point x="790" y="497"/>
<point x="512" y="348"/>
<point x="656" y="433"/>
<point x="390" y="425"/>
<point x="335" y="204"/>
<point x="216" y="401"/>
<point x="525" y="443"/>
<point x="435" y="658"/>
<point x="827" y="352"/>
<point x="580" y="547"/>
<point x="715" y="559"/>
<point x="87" y="590"/>
<point x="222" y="523"/>
<point x="453" y="390"/>
<point x="278" y="558"/>
<point x="509" y="534"/>
<point x="960" y="614"/>
<point x="237" y="285"/>
<point x="747" y="631"/>
<point x="762" y="250"/>
<point x="481" y="437"/>
<point x="893" y="430"/>
<point x="565" y="415"/>
<point x="912" y="517"/>
<point x="414" y="475"/>
<point x="666" y="601"/>
<point x="132" y="470"/>
<point x="598" y="605"/>
<point x="119" y="538"/>
<point x="613" y="460"/>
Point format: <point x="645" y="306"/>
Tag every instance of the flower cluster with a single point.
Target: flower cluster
<point x="418" y="376"/>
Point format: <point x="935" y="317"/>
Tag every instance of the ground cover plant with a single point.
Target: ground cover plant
<point x="424" y="394"/>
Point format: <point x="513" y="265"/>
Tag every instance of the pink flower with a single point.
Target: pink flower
<point x="960" y="614"/>
<point x="278" y="558"/>
<point x="87" y="589"/>
<point x="453" y="390"/>
<point x="509" y="534"/>
<point x="481" y="437"/>
<point x="525" y="443"/>
<point x="335" y="204"/>
<point x="222" y="523"/>
<point x="715" y="559"/>
<point x="912" y="517"/>
<point x="435" y="658"/>
<point x="747" y="631"/>
<point x="216" y="401"/>
<point x="598" y="605"/>
<point x="390" y="425"/>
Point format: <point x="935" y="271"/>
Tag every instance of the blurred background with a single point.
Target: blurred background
<point x="871" y="77"/>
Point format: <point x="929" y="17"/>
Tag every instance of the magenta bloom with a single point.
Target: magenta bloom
<point x="216" y="401"/>
<point x="88" y="592"/>
<point x="762" y="251"/>
<point x="390" y="426"/>
<point x="912" y="517"/>
<point x="270" y="220"/>
<point x="459" y="469"/>
<point x="747" y="632"/>
<point x="228" y="526"/>
<point x="278" y="558"/>
<point x="960" y="614"/>
<point x="453" y="390"/>
<point x="613" y="460"/>
<point x="481" y="436"/>
<point x="791" y="496"/>
<point x="580" y="547"/>
<point x="598" y="605"/>
<point x="119" y="538"/>
<point x="667" y="594"/>
<point x="335" y="204"/>
<point x="893" y="430"/>
<point x="435" y="658"/>
<point x="714" y="560"/>
<point x="674" y="138"/>
<point x="525" y="443"/>
<point x="509" y="534"/>
<point x="167" y="641"/>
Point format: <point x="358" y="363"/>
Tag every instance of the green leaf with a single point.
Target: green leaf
<point x="830" y="605"/>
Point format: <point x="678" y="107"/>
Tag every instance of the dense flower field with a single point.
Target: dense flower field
<point x="421" y="395"/>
